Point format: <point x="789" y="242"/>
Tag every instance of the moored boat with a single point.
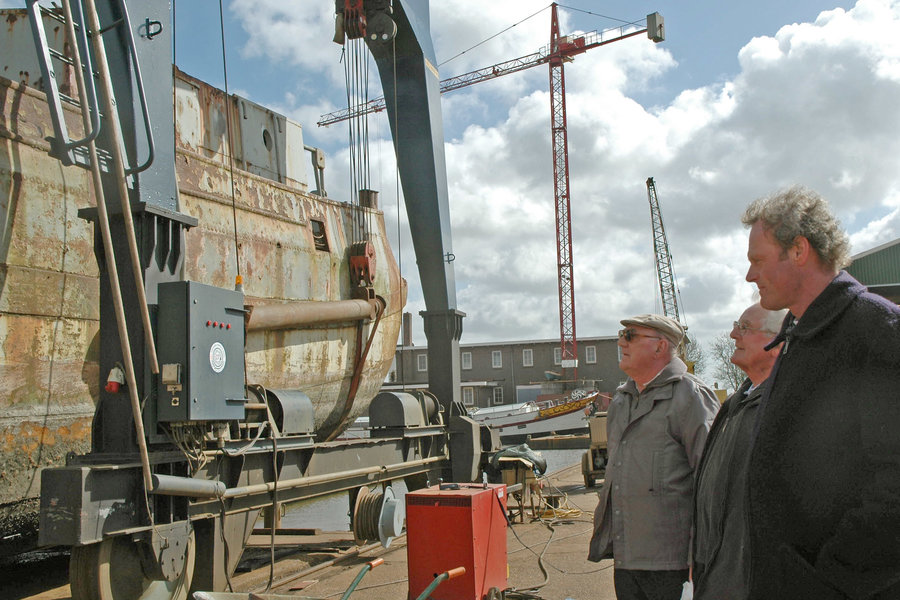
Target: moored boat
<point x="517" y="422"/>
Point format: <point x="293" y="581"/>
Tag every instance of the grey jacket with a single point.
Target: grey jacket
<point x="655" y="441"/>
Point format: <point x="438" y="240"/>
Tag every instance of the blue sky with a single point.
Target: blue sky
<point x="742" y="99"/>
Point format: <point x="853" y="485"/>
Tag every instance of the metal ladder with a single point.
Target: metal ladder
<point x="70" y="151"/>
<point x="83" y="26"/>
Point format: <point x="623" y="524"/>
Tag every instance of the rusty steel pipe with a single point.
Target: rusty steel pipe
<point x="309" y="312"/>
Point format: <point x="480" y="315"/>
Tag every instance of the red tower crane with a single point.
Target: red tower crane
<point x="560" y="50"/>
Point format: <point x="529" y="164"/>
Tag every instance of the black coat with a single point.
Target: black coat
<point x="721" y="553"/>
<point x="824" y="470"/>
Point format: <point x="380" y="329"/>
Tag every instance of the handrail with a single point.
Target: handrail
<point x="64" y="145"/>
<point x="139" y="83"/>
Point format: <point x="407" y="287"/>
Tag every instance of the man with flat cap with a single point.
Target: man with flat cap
<point x="656" y="428"/>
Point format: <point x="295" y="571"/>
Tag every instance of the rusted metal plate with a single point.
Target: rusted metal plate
<point x="49" y="286"/>
<point x="48" y="307"/>
<point x="279" y="261"/>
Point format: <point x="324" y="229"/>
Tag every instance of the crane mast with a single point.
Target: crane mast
<point x="566" y="275"/>
<point x="665" y="274"/>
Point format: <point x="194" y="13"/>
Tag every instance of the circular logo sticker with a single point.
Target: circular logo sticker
<point x="217" y="357"/>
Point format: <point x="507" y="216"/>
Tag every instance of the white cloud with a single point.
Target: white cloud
<point x="813" y="104"/>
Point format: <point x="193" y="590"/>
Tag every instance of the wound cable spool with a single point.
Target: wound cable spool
<point x="366" y="515"/>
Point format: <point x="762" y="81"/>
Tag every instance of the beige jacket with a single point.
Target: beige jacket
<point x="655" y="440"/>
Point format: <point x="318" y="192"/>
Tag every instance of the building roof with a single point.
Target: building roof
<point x="879" y="269"/>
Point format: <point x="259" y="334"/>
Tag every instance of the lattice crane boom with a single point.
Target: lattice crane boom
<point x="665" y="274"/>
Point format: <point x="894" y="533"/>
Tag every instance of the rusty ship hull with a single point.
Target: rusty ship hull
<point x="253" y="212"/>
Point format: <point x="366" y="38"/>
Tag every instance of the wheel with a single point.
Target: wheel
<point x="111" y="570"/>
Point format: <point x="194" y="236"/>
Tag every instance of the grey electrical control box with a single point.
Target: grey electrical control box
<point x="200" y="346"/>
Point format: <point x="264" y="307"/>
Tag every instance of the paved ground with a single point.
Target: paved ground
<point x="559" y="545"/>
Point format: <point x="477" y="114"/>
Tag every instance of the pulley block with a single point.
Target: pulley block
<point x="362" y="264"/>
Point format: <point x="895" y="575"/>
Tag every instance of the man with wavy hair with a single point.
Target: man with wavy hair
<point x="823" y="496"/>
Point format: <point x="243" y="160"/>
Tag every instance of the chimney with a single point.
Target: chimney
<point x="406" y="330"/>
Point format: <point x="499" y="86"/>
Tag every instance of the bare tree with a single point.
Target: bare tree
<point x="721" y="349"/>
<point x="693" y="353"/>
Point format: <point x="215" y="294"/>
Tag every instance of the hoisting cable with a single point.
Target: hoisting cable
<point x="356" y="93"/>
<point x="593" y="14"/>
<point x="493" y="36"/>
<point x="238" y="280"/>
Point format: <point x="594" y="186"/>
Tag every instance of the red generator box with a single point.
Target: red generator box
<point x="461" y="525"/>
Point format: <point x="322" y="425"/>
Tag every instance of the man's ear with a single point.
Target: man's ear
<point x="801" y="251"/>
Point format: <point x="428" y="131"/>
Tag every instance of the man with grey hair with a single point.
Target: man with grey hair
<point x="720" y="550"/>
<point x="656" y="427"/>
<point x="823" y="478"/>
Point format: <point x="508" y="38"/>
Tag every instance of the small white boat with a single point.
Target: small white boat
<point x="516" y="422"/>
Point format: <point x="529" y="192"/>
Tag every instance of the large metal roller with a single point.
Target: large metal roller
<point x="305" y="313"/>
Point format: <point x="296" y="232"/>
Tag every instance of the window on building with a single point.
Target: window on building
<point x="468" y="396"/>
<point x="466" y="361"/>
<point x="422" y="362"/>
<point x="496" y="359"/>
<point x="557" y="356"/>
<point x="527" y="357"/>
<point x="590" y="354"/>
<point x="498" y="395"/>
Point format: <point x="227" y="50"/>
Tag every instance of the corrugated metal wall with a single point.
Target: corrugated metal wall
<point x="878" y="267"/>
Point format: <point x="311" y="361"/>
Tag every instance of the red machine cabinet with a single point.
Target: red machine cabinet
<point x="461" y="525"/>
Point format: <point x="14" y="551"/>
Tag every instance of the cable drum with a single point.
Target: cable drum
<point x="377" y="516"/>
<point x="366" y="514"/>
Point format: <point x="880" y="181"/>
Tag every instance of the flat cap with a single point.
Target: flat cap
<point x="669" y="327"/>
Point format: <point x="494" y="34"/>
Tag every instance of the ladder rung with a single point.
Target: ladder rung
<point x="63" y="58"/>
<point x="57" y="16"/>
<point x="69" y="100"/>
<point x="53" y="14"/>
<point x="60" y="56"/>
<point x="72" y="102"/>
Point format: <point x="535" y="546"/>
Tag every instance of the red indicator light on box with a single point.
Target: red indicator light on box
<point x="208" y="323"/>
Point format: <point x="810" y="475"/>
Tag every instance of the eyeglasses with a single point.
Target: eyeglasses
<point x="630" y="334"/>
<point x="743" y="328"/>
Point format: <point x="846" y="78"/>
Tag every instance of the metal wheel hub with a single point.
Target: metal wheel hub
<point x="170" y="549"/>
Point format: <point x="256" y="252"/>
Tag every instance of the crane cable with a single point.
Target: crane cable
<point x="484" y="41"/>
<point x="356" y="79"/>
<point x="593" y="14"/>
<point x="238" y="280"/>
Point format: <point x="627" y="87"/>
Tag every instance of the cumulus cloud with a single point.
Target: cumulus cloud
<point x="815" y="104"/>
